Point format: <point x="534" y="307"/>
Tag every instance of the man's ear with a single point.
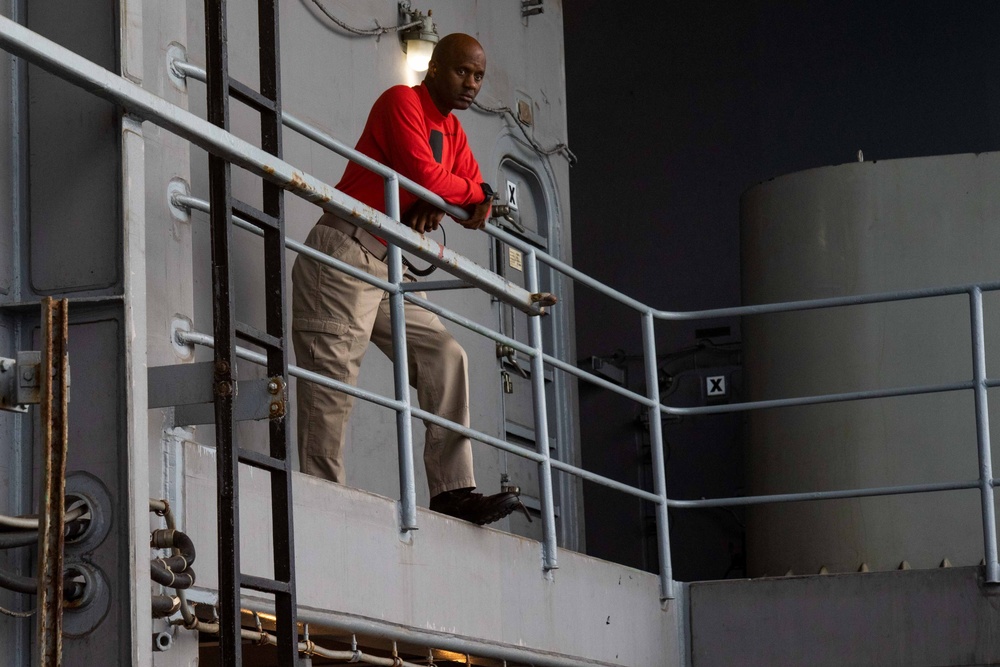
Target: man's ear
<point x="431" y="70"/>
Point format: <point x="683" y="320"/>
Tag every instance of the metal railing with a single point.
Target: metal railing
<point x="63" y="63"/>
<point x="651" y="400"/>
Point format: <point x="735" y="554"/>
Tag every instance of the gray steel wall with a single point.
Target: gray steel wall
<point x="888" y="619"/>
<point x="62" y="235"/>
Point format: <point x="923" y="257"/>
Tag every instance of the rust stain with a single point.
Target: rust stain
<point x="268" y="170"/>
<point x="544" y="298"/>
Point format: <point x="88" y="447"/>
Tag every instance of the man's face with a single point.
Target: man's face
<point x="455" y="79"/>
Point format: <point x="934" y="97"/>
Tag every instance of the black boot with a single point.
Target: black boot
<point x="475" y="507"/>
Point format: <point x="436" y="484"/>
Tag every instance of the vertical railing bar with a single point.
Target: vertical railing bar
<point x="227" y="467"/>
<point x="983" y="436"/>
<point x="400" y="371"/>
<point x="659" y="470"/>
<point x="276" y="302"/>
<point x="549" y="542"/>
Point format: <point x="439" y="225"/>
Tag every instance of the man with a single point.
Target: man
<point x="334" y="315"/>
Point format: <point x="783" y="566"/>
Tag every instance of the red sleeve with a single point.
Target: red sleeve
<point x="465" y="162"/>
<point x="402" y="134"/>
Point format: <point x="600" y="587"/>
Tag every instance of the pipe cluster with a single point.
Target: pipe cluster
<point x="173" y="571"/>
<point x="22" y="531"/>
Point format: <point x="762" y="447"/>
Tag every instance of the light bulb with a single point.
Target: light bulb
<point x="418" y="54"/>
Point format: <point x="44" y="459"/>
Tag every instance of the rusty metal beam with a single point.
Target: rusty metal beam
<point x="54" y="420"/>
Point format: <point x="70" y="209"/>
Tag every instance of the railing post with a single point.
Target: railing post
<point x="400" y="370"/>
<point x="983" y="436"/>
<point x="659" y="470"/>
<point x="549" y="547"/>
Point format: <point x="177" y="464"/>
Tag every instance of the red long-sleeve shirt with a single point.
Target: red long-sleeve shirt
<point x="406" y="132"/>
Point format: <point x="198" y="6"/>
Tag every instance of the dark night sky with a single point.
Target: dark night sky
<point x="675" y="109"/>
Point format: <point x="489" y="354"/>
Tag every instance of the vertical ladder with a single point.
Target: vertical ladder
<point x="226" y="330"/>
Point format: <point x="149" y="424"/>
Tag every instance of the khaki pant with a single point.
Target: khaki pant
<point x="333" y="318"/>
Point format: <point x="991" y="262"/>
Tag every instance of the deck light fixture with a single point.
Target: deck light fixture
<point x="418" y="41"/>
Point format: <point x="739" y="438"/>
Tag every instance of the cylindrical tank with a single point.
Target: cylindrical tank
<point x="856" y="229"/>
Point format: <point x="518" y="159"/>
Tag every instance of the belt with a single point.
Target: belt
<point x="367" y="240"/>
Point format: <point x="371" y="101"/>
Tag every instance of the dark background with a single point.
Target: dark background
<point x="676" y="108"/>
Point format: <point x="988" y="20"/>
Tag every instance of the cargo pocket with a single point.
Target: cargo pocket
<point x="326" y="346"/>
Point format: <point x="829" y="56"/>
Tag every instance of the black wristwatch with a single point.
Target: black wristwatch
<point x="488" y="193"/>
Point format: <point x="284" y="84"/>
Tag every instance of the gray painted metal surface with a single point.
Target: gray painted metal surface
<point x="71" y="245"/>
<point x="454" y="583"/>
<point x="925" y="618"/>
<point x="857" y="228"/>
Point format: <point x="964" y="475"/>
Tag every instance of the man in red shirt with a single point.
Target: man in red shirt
<point x="413" y="131"/>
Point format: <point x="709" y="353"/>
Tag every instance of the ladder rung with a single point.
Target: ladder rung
<point x="258" y="337"/>
<point x="250" y="97"/>
<point x="262" y="461"/>
<point x="254" y="215"/>
<point x="263" y="585"/>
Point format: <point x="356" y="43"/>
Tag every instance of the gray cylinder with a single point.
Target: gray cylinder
<point x="855" y="229"/>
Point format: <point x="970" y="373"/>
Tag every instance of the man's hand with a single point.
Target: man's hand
<point x="423" y="217"/>
<point x="477" y="216"/>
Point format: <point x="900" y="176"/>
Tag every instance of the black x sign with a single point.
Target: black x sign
<point x="512" y="195"/>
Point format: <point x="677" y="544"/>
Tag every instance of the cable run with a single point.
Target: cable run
<point x="378" y="31"/>
<point x="562" y="149"/>
<point x="17" y="614"/>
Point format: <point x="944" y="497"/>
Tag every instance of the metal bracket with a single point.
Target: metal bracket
<point x="21" y="381"/>
<point x="189" y="389"/>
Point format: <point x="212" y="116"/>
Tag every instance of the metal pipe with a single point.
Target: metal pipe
<point x="81" y="72"/>
<point x="605" y="481"/>
<point x="20" y="538"/>
<point x="983" y="437"/>
<point x="469" y="324"/>
<point x="549" y="547"/>
<point x="439" y="640"/>
<point x="162" y="507"/>
<point x="197" y="338"/>
<point x="401" y="371"/>
<point x="525" y="349"/>
<point x="831" y="302"/>
<point x="189" y="202"/>
<point x="659" y="465"/>
<point x="816" y="400"/>
<point x="185" y="68"/>
<point x="201" y="205"/>
<point x="824" y="495"/>
<point x="30" y="521"/>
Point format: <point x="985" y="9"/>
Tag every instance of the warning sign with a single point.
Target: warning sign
<point x="512" y="195"/>
<point x="715" y="386"/>
<point x="515" y="259"/>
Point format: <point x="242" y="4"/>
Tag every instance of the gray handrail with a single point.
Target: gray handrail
<point x="979" y="384"/>
<point x="81" y="72"/>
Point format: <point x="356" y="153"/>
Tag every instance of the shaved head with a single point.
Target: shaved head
<point x="455" y="73"/>
<point x="455" y="45"/>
